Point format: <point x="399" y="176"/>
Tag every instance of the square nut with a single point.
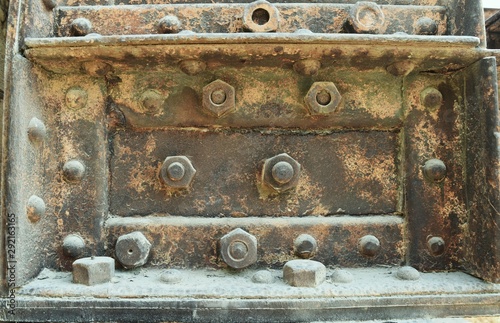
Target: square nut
<point x="304" y="273"/>
<point x="93" y="270"/>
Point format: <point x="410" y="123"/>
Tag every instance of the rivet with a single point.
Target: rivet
<point x="305" y="246"/>
<point x="73" y="246"/>
<point x="35" y="208"/>
<point x="152" y="101"/>
<point x="369" y="245"/>
<point x="171" y="276"/>
<point x="218" y="96"/>
<point x="76" y="98"/>
<point x="238" y="249"/>
<point x="81" y="27"/>
<point x="436" y="246"/>
<point x="192" y="66"/>
<point x="341" y="276"/>
<point x="177" y="172"/>
<point x="307" y="67"/>
<point x="169" y="25"/>
<point x="49" y="4"/>
<point x="426" y="26"/>
<point x="434" y="170"/>
<point x="73" y="171"/>
<point x="407" y="273"/>
<point x="36" y="130"/>
<point x="262" y="277"/>
<point x="132" y="249"/>
<point x="431" y="98"/>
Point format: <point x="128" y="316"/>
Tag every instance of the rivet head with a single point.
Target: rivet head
<point x="76" y="98"/>
<point x="177" y="172"/>
<point x="151" y="102"/>
<point x="238" y="249"/>
<point x="434" y="170"/>
<point x="322" y="98"/>
<point x="407" y="273"/>
<point x="73" y="246"/>
<point x="73" y="171"/>
<point x="218" y="98"/>
<point x="169" y="25"/>
<point x="369" y="245"/>
<point x="263" y="277"/>
<point x="281" y="172"/>
<point x="307" y="67"/>
<point x="132" y="249"/>
<point x="431" y="98"/>
<point x="261" y="16"/>
<point x="35" y="208"/>
<point x="171" y="276"/>
<point x="49" y="4"/>
<point x="192" y="66"/>
<point x="436" y="246"/>
<point x="305" y="246"/>
<point x="426" y="26"/>
<point x="81" y="27"/>
<point x="36" y="130"/>
<point x="366" y="17"/>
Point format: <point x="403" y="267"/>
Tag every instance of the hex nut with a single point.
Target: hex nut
<point x="177" y="172"/>
<point x="260" y="17"/>
<point x="281" y="172"/>
<point x="36" y="130"/>
<point x="238" y="249"/>
<point x="219" y="98"/>
<point x="304" y="273"/>
<point x="366" y="17"/>
<point x="93" y="270"/>
<point x="132" y="249"/>
<point x="305" y="246"/>
<point x="436" y="246"/>
<point x="431" y="98"/>
<point x="322" y="98"/>
<point x="151" y="102"/>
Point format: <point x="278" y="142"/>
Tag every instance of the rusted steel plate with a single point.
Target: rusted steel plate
<point x="227" y="18"/>
<point x="182" y="242"/>
<point x="350" y="172"/>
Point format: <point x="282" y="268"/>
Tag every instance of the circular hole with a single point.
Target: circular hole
<point x="260" y="16"/>
<point x="130" y="251"/>
<point x="323" y="97"/>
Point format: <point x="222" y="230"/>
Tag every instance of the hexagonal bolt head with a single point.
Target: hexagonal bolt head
<point x="261" y="16"/>
<point x="93" y="270"/>
<point x="281" y="172"/>
<point x="132" y="249"/>
<point x="366" y="17"/>
<point x="304" y="273"/>
<point x="305" y="246"/>
<point x="238" y="249"/>
<point x="369" y="245"/>
<point x="434" y="170"/>
<point x="177" y="172"/>
<point x="322" y="98"/>
<point x="218" y="98"/>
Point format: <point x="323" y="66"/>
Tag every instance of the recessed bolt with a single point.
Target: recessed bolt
<point x="436" y="246"/>
<point x="305" y="246"/>
<point x="73" y="246"/>
<point x="97" y="68"/>
<point x="36" y="130"/>
<point x="132" y="249"/>
<point x="177" y="172"/>
<point x="192" y="66"/>
<point x="81" y="27"/>
<point x="304" y="273"/>
<point x="401" y="68"/>
<point x="35" y="208"/>
<point x="322" y="98"/>
<point x="366" y="17"/>
<point x="73" y="171"/>
<point x="431" y="98"/>
<point x="281" y="172"/>
<point x="169" y="25"/>
<point x="307" y="67"/>
<point x="76" y="98"/>
<point x="434" y="170"/>
<point x="261" y="16"/>
<point x="369" y="245"/>
<point x="238" y="249"/>
<point x="407" y="273"/>
<point x="93" y="270"/>
<point x="426" y="26"/>
<point x="218" y="98"/>
<point x="152" y="102"/>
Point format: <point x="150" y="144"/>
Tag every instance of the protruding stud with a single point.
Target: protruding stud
<point x="76" y="98"/>
<point x="426" y="26"/>
<point x="307" y="67"/>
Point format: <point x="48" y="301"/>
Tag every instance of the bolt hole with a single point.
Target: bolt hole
<point x="323" y="97"/>
<point x="260" y="16"/>
<point x="130" y="251"/>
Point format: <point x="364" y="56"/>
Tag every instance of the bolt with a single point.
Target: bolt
<point x="192" y="66"/>
<point x="436" y="246"/>
<point x="169" y="25"/>
<point x="322" y="98"/>
<point x="426" y="26"/>
<point x="36" y="130"/>
<point x="238" y="249"/>
<point x="81" y="27"/>
<point x="304" y="273"/>
<point x="73" y="171"/>
<point x="305" y="246"/>
<point x="260" y="16"/>
<point x="35" y="208"/>
<point x="369" y="245"/>
<point x="280" y="172"/>
<point x="132" y="249"/>
<point x="76" y="98"/>
<point x="307" y="67"/>
<point x="366" y="17"/>
<point x="434" y="170"/>
<point x="177" y="172"/>
<point x="93" y="270"/>
<point x="218" y="98"/>
<point x="152" y="101"/>
<point x="73" y="245"/>
<point x="431" y="98"/>
<point x="407" y="273"/>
